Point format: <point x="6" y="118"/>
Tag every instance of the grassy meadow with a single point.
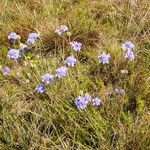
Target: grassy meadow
<point x="50" y="120"/>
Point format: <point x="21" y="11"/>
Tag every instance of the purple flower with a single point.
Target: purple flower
<point x="32" y="37"/>
<point x="128" y="45"/>
<point x="48" y="78"/>
<point x="76" y="46"/>
<point x="87" y="98"/>
<point x="14" y="54"/>
<point x="32" y="41"/>
<point x="104" y="58"/>
<point x="61" y="29"/>
<point x="80" y="102"/>
<point x="23" y="47"/>
<point x="40" y="88"/>
<point x="6" y="70"/>
<point x="129" y="54"/>
<point x="70" y="61"/>
<point x="13" y="36"/>
<point x="96" y="101"/>
<point x="61" y="72"/>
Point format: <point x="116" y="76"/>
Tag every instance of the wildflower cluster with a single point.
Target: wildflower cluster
<point x="83" y="101"/>
<point x="128" y="47"/>
<point x="16" y="53"/>
<point x="104" y="58"/>
<point x="61" y="72"/>
<point x="128" y="50"/>
<point x="49" y="78"/>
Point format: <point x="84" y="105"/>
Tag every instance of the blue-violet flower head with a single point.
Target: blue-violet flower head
<point x="13" y="36"/>
<point x="129" y="54"/>
<point x="128" y="45"/>
<point x="14" y="54"/>
<point x="80" y="102"/>
<point x="96" y="101"/>
<point x="104" y="58"/>
<point x="47" y="78"/>
<point x="32" y="37"/>
<point x="70" y="61"/>
<point x="6" y="70"/>
<point x="40" y="88"/>
<point x="61" y="72"/>
<point x="76" y="46"/>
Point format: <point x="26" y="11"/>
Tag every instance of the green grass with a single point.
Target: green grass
<point x="50" y="121"/>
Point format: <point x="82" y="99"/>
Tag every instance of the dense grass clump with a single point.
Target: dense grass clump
<point x="73" y="85"/>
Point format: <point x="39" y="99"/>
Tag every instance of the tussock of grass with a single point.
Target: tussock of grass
<point x="50" y="121"/>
